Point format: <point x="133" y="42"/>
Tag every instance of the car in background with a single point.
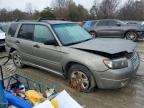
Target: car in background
<point x="133" y="22"/>
<point x="66" y="49"/>
<point x="88" y="24"/>
<point x="4" y="26"/>
<point x="2" y="39"/>
<point x="112" y="28"/>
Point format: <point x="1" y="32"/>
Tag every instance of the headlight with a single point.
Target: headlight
<point x="142" y="27"/>
<point x="116" y="64"/>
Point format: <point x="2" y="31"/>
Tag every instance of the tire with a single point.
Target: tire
<point x="131" y="35"/>
<point x="2" y="48"/>
<point x="17" y="59"/>
<point x="93" y="33"/>
<point x="80" y="78"/>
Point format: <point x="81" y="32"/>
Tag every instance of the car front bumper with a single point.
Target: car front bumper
<point x="118" y="78"/>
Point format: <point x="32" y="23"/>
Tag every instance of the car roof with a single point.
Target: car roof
<point x="57" y="21"/>
<point x="51" y="22"/>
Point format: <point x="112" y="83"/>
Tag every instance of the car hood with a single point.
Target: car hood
<point x="2" y="35"/>
<point x="111" y="46"/>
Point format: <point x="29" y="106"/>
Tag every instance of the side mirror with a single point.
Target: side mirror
<point x="118" y="24"/>
<point x="51" y="42"/>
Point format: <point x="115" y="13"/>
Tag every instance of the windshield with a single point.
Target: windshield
<point x="70" y="34"/>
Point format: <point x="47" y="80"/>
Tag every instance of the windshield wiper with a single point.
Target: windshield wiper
<point x="78" y="42"/>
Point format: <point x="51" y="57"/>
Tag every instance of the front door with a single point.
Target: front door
<point x="47" y="56"/>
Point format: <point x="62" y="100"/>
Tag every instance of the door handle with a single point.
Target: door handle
<point x="17" y="42"/>
<point x="36" y="46"/>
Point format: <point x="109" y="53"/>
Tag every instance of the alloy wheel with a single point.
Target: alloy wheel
<point x="80" y="80"/>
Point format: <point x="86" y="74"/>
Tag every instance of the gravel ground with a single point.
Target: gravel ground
<point x="131" y="96"/>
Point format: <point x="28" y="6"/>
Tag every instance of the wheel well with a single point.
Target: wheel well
<point x="12" y="50"/>
<point x="67" y="67"/>
<point x="129" y="31"/>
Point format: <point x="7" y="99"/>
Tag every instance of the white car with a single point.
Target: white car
<point x="2" y="39"/>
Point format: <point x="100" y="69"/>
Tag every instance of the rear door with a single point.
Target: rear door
<point x="24" y="42"/>
<point x="109" y="28"/>
<point x="10" y="35"/>
<point x="115" y="29"/>
<point x="102" y="28"/>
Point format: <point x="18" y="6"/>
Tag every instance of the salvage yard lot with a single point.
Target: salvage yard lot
<point x="131" y="96"/>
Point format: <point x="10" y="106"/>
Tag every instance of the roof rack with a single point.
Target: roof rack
<point x="43" y="18"/>
<point x="19" y="20"/>
<point x="40" y="19"/>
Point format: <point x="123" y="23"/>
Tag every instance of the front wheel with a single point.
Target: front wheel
<point x="80" y="78"/>
<point x="17" y="59"/>
<point x="131" y="36"/>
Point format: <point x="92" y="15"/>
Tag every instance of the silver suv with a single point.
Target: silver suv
<point x="66" y="49"/>
<point x="111" y="28"/>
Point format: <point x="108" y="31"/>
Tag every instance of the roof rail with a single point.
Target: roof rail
<point x="44" y="18"/>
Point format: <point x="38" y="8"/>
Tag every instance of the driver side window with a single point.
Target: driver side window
<point x="42" y="34"/>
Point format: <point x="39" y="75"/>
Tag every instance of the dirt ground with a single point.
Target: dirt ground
<point x="131" y="96"/>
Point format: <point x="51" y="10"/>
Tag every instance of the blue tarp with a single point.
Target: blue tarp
<point x="17" y="101"/>
<point x="3" y="100"/>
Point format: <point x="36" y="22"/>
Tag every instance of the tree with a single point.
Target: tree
<point x="77" y="13"/>
<point x="36" y="14"/>
<point x="29" y="8"/>
<point x="47" y="13"/>
<point x="61" y="8"/>
<point x="132" y="10"/>
<point x="105" y="9"/>
<point x="94" y="10"/>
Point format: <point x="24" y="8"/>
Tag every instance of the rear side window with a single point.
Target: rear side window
<point x="12" y="29"/>
<point x="102" y="23"/>
<point x="26" y="32"/>
<point x="112" y="23"/>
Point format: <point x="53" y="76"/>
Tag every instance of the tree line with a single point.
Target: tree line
<point x="67" y="9"/>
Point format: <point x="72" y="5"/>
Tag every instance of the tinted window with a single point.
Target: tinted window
<point x="12" y="29"/>
<point x="113" y="23"/>
<point x="42" y="34"/>
<point x="102" y="23"/>
<point x="26" y="32"/>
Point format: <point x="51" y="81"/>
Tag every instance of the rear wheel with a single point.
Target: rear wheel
<point x="17" y="59"/>
<point x="80" y="78"/>
<point x="131" y="36"/>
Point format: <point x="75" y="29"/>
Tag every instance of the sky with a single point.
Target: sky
<point x="37" y="4"/>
